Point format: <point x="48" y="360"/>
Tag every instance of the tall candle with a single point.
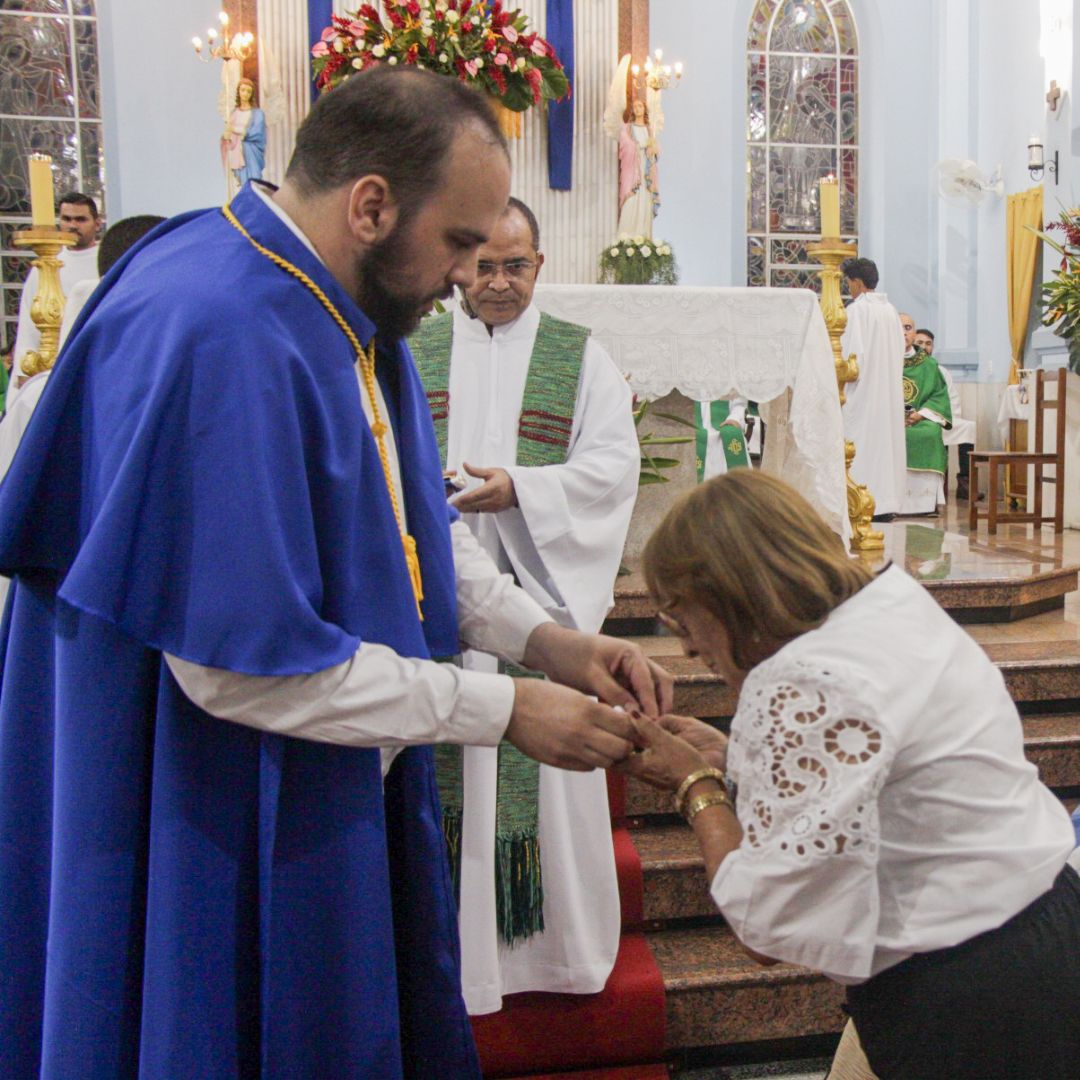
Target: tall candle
<point x="41" y="191"/>
<point x="829" y="192"/>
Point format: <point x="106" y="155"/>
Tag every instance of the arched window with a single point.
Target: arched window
<point x="801" y="125"/>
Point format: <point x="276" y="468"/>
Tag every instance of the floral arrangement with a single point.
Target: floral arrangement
<point x="473" y="40"/>
<point x="637" y="260"/>
<point x="1061" y="295"/>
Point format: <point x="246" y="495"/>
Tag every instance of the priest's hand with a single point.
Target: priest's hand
<point x="913" y="417"/>
<point x="617" y="672"/>
<point x="494" y="494"/>
<point x="558" y="726"/>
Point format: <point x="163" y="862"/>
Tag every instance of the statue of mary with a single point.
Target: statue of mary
<point x="243" y="145"/>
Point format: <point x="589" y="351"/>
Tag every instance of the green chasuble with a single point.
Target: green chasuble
<point x="544" y="426"/>
<point x="925" y="387"/>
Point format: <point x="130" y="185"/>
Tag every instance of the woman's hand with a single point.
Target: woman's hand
<point x="663" y="760"/>
<point x="711" y="743"/>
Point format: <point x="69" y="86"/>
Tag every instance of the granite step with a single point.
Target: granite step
<point x="1051" y="741"/>
<point x="716" y="995"/>
<point x="1034" y="672"/>
<point x="1007" y="587"/>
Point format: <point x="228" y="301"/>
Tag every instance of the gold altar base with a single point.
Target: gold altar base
<point x="47" y="309"/>
<point x="831" y="251"/>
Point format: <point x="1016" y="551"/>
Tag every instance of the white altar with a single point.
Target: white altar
<point x="768" y="345"/>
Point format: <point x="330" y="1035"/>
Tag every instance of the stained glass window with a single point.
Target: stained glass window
<point x="802" y="124"/>
<point x="49" y="102"/>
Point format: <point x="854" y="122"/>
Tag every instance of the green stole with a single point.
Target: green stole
<point x="544" y="427"/>
<point x="709" y="417"/>
<point x="924" y="385"/>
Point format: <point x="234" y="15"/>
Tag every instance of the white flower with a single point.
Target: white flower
<point x="426" y="31"/>
<point x="665" y="250"/>
<point x="520" y="65"/>
<point x="639" y="239"/>
<point x="443" y="58"/>
<point x="614" y="251"/>
<point x="378" y="51"/>
<point x="479" y="61"/>
<point x="339" y="45"/>
<point x="392" y="61"/>
<point x="357" y="62"/>
<point x="628" y="252"/>
<point x="645" y="251"/>
<point x="452" y="16"/>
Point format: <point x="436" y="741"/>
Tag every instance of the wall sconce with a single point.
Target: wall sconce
<point x="1037" y="163"/>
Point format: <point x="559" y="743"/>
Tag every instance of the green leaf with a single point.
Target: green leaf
<point x="677" y="419"/>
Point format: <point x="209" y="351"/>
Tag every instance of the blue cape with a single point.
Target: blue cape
<point x="199" y="479"/>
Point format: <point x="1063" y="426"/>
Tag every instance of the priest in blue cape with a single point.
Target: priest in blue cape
<point x="233" y="569"/>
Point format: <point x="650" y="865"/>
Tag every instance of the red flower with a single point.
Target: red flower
<point x="489" y="45"/>
<point x="431" y="46"/>
<point x="466" y="27"/>
<point x="368" y="12"/>
<point x="439" y="15"/>
<point x="411" y="55"/>
<point x="465" y="5"/>
<point x="534" y="79"/>
<point x="413" y="9"/>
<point x="499" y="79"/>
<point x="396" y="19"/>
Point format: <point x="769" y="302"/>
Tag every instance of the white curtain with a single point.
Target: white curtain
<point x="575" y="224"/>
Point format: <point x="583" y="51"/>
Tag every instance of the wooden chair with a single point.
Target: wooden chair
<point x="995" y="459"/>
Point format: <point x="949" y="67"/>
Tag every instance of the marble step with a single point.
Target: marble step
<point x="999" y="586"/>
<point x="716" y="995"/>
<point x="1034" y="671"/>
<point x="1051" y="741"/>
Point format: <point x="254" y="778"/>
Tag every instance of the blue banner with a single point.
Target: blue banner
<point x="560" y="32"/>
<point x="318" y="19"/>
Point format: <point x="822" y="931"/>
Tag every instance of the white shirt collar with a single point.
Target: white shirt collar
<point x="266" y="195"/>
<point x="523" y="327"/>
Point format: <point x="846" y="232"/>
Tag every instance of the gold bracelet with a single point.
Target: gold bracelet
<point x="691" y="780"/>
<point x="703" y="802"/>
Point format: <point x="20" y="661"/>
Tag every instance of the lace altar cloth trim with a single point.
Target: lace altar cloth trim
<point x="769" y="345"/>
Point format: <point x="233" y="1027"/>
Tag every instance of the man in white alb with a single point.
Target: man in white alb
<point x="78" y="215"/>
<point x="537" y="418"/>
<point x="874" y="413"/>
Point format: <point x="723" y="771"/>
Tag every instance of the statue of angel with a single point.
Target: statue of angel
<point x="636" y="125"/>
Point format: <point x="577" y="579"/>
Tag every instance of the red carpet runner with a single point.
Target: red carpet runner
<point x="536" y="1034"/>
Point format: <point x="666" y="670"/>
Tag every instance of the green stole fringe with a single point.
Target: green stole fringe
<point x="547" y="416"/>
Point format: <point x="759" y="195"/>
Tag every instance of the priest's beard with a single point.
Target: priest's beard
<point x="383" y="291"/>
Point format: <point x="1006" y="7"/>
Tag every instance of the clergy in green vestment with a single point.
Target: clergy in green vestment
<point x="928" y="413"/>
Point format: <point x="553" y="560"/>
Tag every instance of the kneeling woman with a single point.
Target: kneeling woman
<point x="889" y="831"/>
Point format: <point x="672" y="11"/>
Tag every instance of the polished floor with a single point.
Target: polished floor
<point x="942" y="549"/>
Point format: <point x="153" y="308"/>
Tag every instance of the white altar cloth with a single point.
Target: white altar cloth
<point x="769" y="345"/>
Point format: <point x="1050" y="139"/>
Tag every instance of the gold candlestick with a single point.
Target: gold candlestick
<point x="47" y="309"/>
<point x="831" y="252"/>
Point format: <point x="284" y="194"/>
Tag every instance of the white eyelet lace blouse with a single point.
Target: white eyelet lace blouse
<point x="886" y="803"/>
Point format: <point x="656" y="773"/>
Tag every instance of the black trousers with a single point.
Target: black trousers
<point x="1002" y="1006"/>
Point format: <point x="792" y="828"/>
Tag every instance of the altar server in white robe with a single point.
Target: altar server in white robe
<point x="874" y="412"/>
<point x="510" y="389"/>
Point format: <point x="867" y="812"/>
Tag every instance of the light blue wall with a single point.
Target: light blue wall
<point x="159" y="106"/>
<point x="938" y="78"/>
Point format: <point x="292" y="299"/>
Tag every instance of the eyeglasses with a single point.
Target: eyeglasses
<point x="513" y="269"/>
<point x="669" y="622"/>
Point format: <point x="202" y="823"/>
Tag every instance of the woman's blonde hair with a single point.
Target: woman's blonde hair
<point x="751" y="551"/>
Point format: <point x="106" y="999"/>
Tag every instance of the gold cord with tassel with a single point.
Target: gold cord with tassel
<point x="366" y="359"/>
